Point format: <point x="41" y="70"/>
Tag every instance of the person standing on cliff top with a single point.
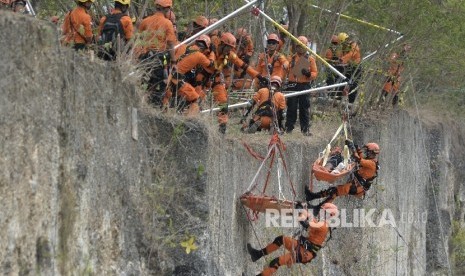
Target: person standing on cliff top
<point x="77" y="26"/>
<point x="360" y="182"/>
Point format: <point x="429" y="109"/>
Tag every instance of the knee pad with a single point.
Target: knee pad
<point x="278" y="240"/>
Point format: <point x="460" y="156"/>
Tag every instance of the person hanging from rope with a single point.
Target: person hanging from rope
<point x="302" y="72"/>
<point x="272" y="62"/>
<point x="394" y="75"/>
<point x="360" y="181"/>
<point x="266" y="99"/>
<point x="183" y="78"/>
<point x="350" y="61"/>
<point x="225" y="58"/>
<point x="155" y="49"/>
<point x="77" y="26"/>
<point x="245" y="50"/>
<point x="302" y="250"/>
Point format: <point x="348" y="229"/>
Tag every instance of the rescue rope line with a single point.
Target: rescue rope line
<point x="431" y="181"/>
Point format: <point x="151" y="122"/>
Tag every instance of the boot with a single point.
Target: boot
<point x="222" y="128"/>
<point x="255" y="254"/>
<point x="253" y="128"/>
<point x="309" y="196"/>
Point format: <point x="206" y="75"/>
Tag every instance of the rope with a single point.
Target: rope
<point x="431" y="182"/>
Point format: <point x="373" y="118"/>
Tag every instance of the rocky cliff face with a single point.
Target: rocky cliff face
<point x="94" y="182"/>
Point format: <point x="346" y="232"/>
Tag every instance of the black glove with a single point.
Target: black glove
<point x="246" y="59"/>
<point x="350" y="144"/>
<point x="263" y="80"/>
<point x="306" y="72"/>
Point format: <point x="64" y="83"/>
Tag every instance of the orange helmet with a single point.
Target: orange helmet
<point x="335" y="39"/>
<point x="205" y="39"/>
<point x="202" y="21"/>
<point x="164" y="3"/>
<point x="303" y="39"/>
<point x="241" y="32"/>
<point x="228" y="39"/>
<point x="330" y="209"/>
<point x="276" y="79"/>
<point x="372" y="147"/>
<point x="273" y="37"/>
<point x="172" y="17"/>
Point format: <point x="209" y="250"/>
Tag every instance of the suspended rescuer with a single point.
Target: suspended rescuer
<point x="360" y="181"/>
<point x="77" y="26"/>
<point x="182" y="79"/>
<point x="155" y="49"/>
<point x="302" y="72"/>
<point x="115" y="30"/>
<point x="301" y="250"/>
<point x="270" y="103"/>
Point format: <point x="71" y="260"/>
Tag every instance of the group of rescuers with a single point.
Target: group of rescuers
<point x="220" y="60"/>
<point x="179" y="75"/>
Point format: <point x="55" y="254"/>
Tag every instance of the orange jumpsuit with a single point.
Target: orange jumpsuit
<point x="277" y="62"/>
<point x="245" y="52"/>
<point x="392" y="83"/>
<point x="278" y="100"/>
<point x="126" y="22"/>
<point x="223" y="80"/>
<point x="317" y="234"/>
<point x="156" y="32"/>
<point x="190" y="60"/>
<point x="367" y="169"/>
<point x="77" y="28"/>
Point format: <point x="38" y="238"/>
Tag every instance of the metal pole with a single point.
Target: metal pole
<point x="385" y="46"/>
<point x="29" y="8"/>
<point x="358" y="20"/>
<point x="216" y="24"/>
<point x="277" y="25"/>
<point x="293" y="94"/>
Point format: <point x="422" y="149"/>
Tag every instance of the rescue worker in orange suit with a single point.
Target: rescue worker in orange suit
<point x="245" y="51"/>
<point x="394" y="75"/>
<point x="302" y="72"/>
<point x="155" y="49"/>
<point x="350" y="60"/>
<point x="77" y="26"/>
<point x="272" y="62"/>
<point x="120" y="11"/>
<point x="198" y="24"/>
<point x="270" y="103"/>
<point x="225" y="58"/>
<point x="184" y="76"/>
<point x="332" y="56"/>
<point x="360" y="182"/>
<point x="302" y="250"/>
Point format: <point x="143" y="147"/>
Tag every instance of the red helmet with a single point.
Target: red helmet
<point x="273" y="37"/>
<point x="372" y="147"/>
<point x="276" y="79"/>
<point x="241" y="32"/>
<point x="303" y="39"/>
<point x="202" y="21"/>
<point x="330" y="209"/>
<point x="164" y="3"/>
<point x="228" y="39"/>
<point x="205" y="39"/>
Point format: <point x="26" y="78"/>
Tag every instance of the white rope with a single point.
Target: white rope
<point x="431" y="181"/>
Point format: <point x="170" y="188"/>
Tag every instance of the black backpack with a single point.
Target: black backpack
<point x="112" y="29"/>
